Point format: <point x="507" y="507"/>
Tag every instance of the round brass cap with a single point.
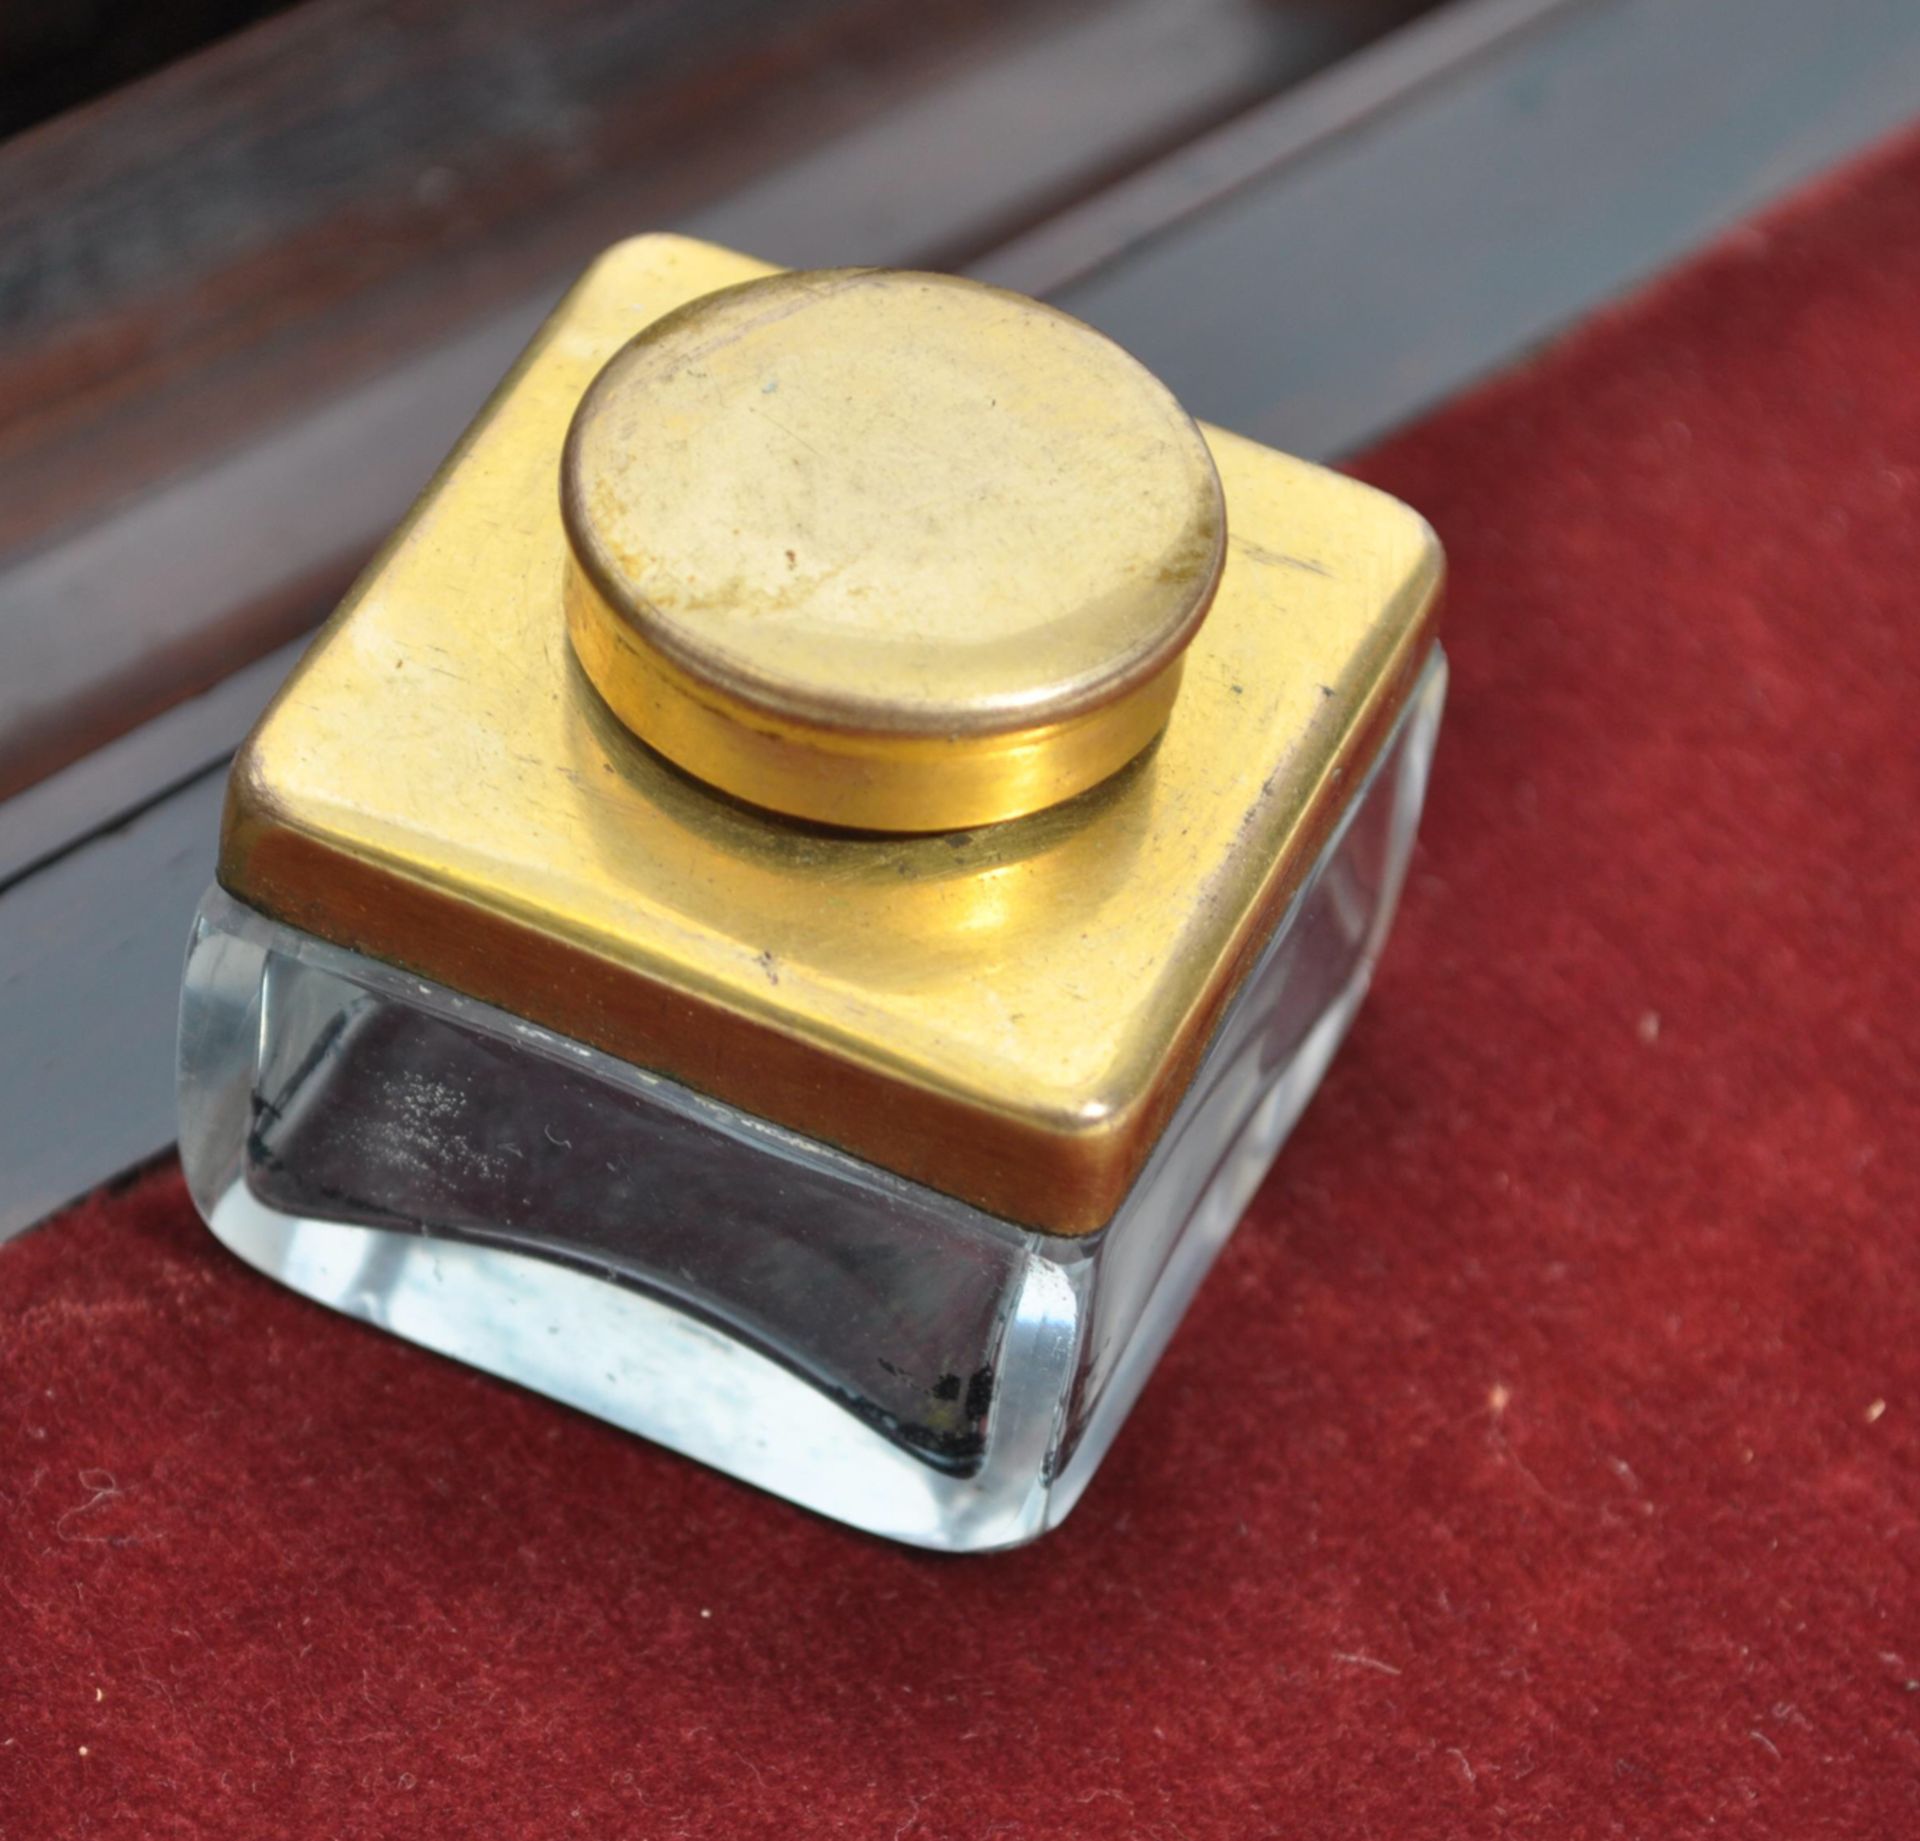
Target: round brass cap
<point x="894" y="551"/>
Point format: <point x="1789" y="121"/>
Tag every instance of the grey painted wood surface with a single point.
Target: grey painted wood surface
<point x="1506" y="181"/>
<point x="135" y="770"/>
<point x="1377" y="272"/>
<point x="90" y="958"/>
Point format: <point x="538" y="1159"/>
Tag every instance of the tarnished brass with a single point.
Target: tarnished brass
<point x="887" y="550"/>
<point x="1009" y="1013"/>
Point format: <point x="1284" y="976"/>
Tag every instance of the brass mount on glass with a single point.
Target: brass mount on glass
<point x="864" y="697"/>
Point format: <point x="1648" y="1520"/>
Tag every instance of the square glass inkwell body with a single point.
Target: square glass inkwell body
<point x="801" y="893"/>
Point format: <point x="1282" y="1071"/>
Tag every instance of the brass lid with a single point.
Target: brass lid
<point x="886" y="550"/>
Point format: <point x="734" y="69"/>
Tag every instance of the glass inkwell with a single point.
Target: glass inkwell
<point x="803" y="890"/>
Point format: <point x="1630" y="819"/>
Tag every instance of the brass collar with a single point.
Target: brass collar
<point x="1008" y="1014"/>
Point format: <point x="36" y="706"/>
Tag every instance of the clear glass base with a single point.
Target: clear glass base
<point x="812" y="1324"/>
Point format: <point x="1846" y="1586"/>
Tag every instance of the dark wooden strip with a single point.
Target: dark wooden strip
<point x="246" y="305"/>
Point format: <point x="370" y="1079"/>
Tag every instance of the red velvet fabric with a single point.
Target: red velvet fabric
<point x="1543" y="1457"/>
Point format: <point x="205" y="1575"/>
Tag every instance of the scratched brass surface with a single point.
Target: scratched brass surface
<point x="887" y="550"/>
<point x="1008" y="1014"/>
